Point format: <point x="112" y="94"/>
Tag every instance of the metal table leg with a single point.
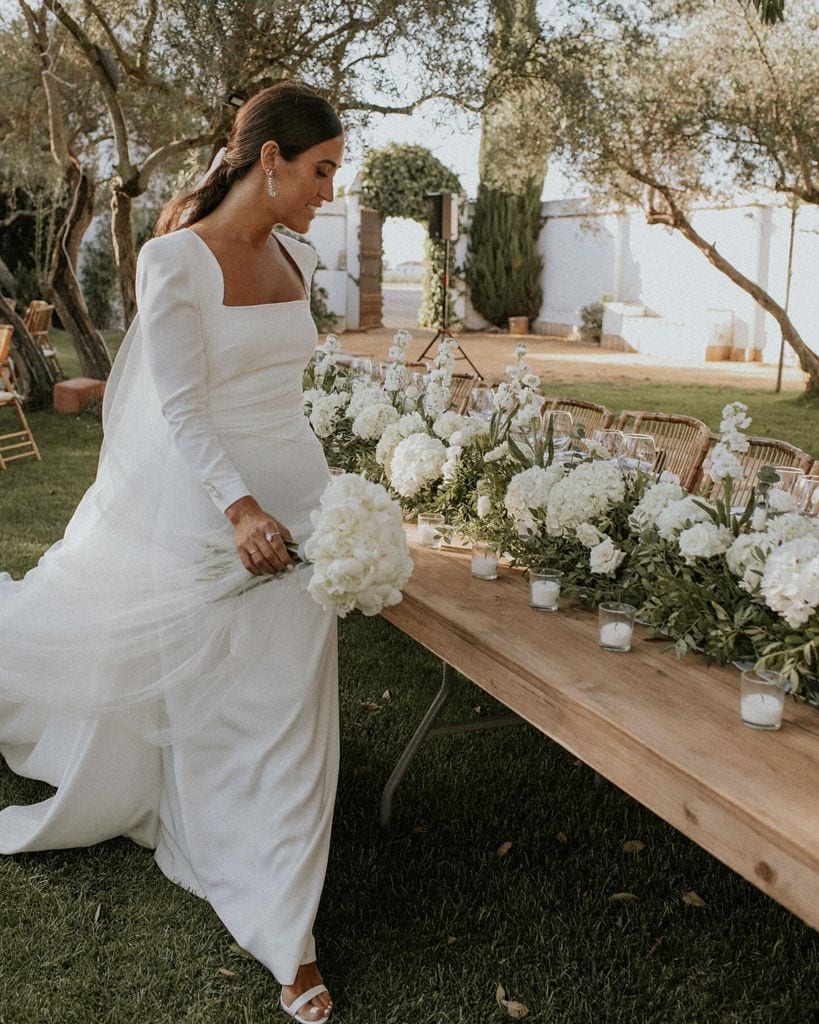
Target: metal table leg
<point x="428" y="728"/>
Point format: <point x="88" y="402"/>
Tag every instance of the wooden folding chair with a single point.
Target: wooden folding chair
<point x="18" y="444"/>
<point x="38" y="321"/>
<point x="590" y="414"/>
<point x="762" y="451"/>
<point x="682" y="441"/>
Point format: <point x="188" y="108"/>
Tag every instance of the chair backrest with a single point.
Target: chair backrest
<point x="762" y="451"/>
<point x="683" y="440"/>
<point x="590" y="414"/>
<point x="460" y="390"/>
<point x="6" y="334"/>
<point x="38" y="317"/>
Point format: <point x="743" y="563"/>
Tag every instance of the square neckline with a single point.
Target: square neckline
<point x="253" y="305"/>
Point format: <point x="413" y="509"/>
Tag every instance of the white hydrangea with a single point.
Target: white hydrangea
<point x="656" y="499"/>
<point x="358" y="548"/>
<point x="411" y="423"/>
<point x="746" y="559"/>
<point x="790" y="526"/>
<point x="790" y="583"/>
<point x="452" y="464"/>
<point x="528" y="492"/>
<point x="417" y="461"/>
<point x="373" y="420"/>
<point x="466" y="434"/>
<point x="704" y="540"/>
<point x="679" y="515"/>
<point x="780" y="501"/>
<point x="595" y="449"/>
<point x="325" y="412"/>
<point x="584" y="494"/>
<point x="605" y="558"/>
<point x="723" y="464"/>
<point x="448" y="422"/>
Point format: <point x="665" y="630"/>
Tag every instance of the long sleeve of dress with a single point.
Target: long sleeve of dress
<point x="171" y="330"/>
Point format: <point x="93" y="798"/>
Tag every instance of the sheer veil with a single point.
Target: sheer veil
<point x="138" y="612"/>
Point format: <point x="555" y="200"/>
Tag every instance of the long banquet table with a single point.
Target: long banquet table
<point x="666" y="731"/>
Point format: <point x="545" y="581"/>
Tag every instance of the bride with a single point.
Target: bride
<point x="165" y="700"/>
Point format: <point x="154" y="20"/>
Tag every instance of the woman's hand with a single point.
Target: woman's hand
<point x="259" y="538"/>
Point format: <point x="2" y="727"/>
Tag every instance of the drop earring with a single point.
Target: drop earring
<point x="271" y="185"/>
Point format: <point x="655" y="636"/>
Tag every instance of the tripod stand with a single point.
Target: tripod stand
<point x="443" y="329"/>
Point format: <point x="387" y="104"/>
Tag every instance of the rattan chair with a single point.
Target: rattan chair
<point x="38" y="321"/>
<point x="460" y="390"/>
<point x="762" y="451"/>
<point x="682" y="441"/>
<point x="18" y="444"/>
<point x="590" y="414"/>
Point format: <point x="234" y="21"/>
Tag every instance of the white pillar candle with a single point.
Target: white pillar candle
<point x="484" y="565"/>
<point x="615" y="634"/>
<point x="761" y="709"/>
<point x="545" y="593"/>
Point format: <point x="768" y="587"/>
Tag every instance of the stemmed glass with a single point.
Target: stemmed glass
<point x="640" y="452"/>
<point x="482" y="403"/>
<point x="362" y="368"/>
<point x="790" y="479"/>
<point x="806" y="495"/>
<point x="614" y="441"/>
<point x="562" y="425"/>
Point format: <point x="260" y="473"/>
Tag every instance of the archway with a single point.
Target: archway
<point x="395" y="181"/>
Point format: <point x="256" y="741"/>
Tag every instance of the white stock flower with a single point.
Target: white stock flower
<point x="498" y="453"/>
<point x="790" y="583"/>
<point x="373" y="420"/>
<point x="657" y="498"/>
<point x="365" y="393"/>
<point x="723" y="464"/>
<point x="679" y="515"/>
<point x="584" y="494"/>
<point x="588" y="535"/>
<point x="484" y="506"/>
<point x="605" y="558"/>
<point x="704" y="540"/>
<point x="358" y="549"/>
<point x="417" y="461"/>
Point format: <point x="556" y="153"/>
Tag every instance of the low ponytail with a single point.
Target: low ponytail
<point x="288" y="113"/>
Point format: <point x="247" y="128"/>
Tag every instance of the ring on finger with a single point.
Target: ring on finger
<point x="269" y="536"/>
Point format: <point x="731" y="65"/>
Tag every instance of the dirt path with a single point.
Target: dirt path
<point x="575" y="361"/>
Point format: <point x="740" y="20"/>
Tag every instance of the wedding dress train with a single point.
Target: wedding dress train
<point x="162" y="700"/>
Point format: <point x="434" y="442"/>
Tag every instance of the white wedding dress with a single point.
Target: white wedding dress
<point x="163" y="701"/>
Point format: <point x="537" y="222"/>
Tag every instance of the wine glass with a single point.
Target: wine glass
<point x="482" y="403"/>
<point x="790" y="478"/>
<point x="562" y="425"/>
<point x="806" y="495"/>
<point x="362" y="368"/>
<point x="614" y="441"/>
<point x="640" y="452"/>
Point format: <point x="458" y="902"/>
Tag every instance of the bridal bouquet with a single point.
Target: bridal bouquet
<point x="358" y="550"/>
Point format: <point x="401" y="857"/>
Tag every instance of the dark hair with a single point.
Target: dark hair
<point x="289" y="113"/>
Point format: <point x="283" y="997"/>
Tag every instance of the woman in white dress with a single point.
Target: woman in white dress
<point x="162" y="698"/>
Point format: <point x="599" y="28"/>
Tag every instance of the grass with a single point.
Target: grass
<point x="420" y="922"/>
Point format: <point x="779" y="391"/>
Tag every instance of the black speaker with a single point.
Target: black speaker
<point x="442" y="213"/>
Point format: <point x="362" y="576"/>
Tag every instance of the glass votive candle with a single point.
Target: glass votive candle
<point x="484" y="561"/>
<point x="762" y="699"/>
<point x="544" y="590"/>
<point x="616" y="625"/>
<point x="428" y="529"/>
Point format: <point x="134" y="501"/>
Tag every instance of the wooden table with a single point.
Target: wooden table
<point x="666" y="731"/>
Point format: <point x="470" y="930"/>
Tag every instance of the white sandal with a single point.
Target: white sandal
<point x="293" y="1009"/>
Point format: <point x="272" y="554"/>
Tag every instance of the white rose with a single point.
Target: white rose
<point x="588" y="535"/>
<point x="605" y="558"/>
<point x="704" y="540"/>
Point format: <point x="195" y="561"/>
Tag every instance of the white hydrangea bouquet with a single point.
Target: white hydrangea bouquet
<point x="737" y="584"/>
<point x="357" y="550"/>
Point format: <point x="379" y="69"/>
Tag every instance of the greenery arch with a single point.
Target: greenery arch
<point x="395" y="181"/>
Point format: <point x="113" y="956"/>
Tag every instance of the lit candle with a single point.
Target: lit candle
<point x="616" y="635"/>
<point x="763" y="709"/>
<point x="544" y="590"/>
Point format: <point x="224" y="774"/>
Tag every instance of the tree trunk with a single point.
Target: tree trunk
<point x="36" y="375"/>
<point x="122" y="234"/>
<point x="64" y="287"/>
<point x="808" y="360"/>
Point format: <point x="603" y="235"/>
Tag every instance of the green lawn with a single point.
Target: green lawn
<point x="421" y="922"/>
